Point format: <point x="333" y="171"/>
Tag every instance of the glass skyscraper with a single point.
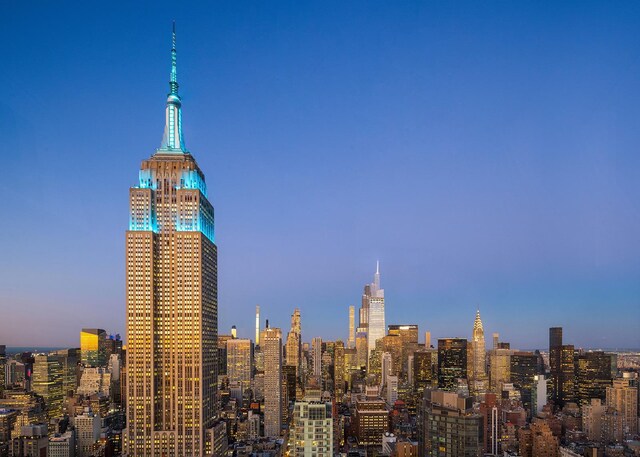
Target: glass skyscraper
<point x="172" y="299"/>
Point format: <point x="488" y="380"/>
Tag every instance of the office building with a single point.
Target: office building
<point x="293" y="348"/>
<point x="8" y="419"/>
<point x="452" y="362"/>
<point x="371" y="421"/>
<point x="351" y="340"/>
<point x="339" y="370"/>
<point x="373" y="298"/>
<point x="172" y="299"/>
<point x="3" y="366"/>
<point x="257" y="325"/>
<point x="593" y="375"/>
<point x="424" y="369"/>
<point x="31" y="408"/>
<point x="499" y="368"/>
<point x="272" y="344"/>
<point x="478" y="372"/>
<point x="69" y="359"/>
<point x="240" y="362"/>
<point x="448" y="426"/>
<point x="523" y="369"/>
<point x="316" y="357"/>
<point x="408" y="336"/>
<point x="47" y="381"/>
<point x="93" y="347"/>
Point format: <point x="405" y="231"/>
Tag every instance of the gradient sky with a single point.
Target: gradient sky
<point x="486" y="152"/>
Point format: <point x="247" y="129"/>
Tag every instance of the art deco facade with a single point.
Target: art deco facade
<point x="171" y="295"/>
<point x="477" y="366"/>
<point x="294" y="342"/>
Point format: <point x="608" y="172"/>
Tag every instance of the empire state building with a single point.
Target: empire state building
<point x="172" y="299"/>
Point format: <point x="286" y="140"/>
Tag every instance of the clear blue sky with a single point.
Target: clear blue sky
<point x="486" y="152"/>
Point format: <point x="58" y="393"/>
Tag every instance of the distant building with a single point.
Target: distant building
<point x="69" y="360"/>
<point x="339" y="371"/>
<point x="538" y="394"/>
<point x="272" y="344"/>
<point x="523" y="370"/>
<point x="351" y="340"/>
<point x="316" y="357"/>
<point x="478" y="372"/>
<point x="452" y="362"/>
<point x="424" y="369"/>
<point x="593" y="375"/>
<point x="30" y="407"/>
<point x="8" y="419"/>
<point x="240" y="362"/>
<point x="47" y="381"/>
<point x="93" y="347"/>
<point x="95" y="380"/>
<point x="499" y="368"/>
<point x="293" y="347"/>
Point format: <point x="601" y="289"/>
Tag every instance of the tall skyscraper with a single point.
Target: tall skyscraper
<point x="555" y="359"/>
<point x="48" y="382"/>
<point x="351" y="341"/>
<point x="372" y="313"/>
<point x="272" y="347"/>
<point x="524" y="369"/>
<point x="339" y="371"/>
<point x="593" y="376"/>
<point x="294" y="342"/>
<point x="478" y="373"/>
<point x="240" y="363"/>
<point x="257" y="325"/>
<point x="316" y="356"/>
<point x="93" y="347"/>
<point x="3" y="365"/>
<point x="172" y="299"/>
<point x="452" y="362"/>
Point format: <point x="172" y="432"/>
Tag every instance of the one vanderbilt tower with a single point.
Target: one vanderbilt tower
<point x="172" y="299"/>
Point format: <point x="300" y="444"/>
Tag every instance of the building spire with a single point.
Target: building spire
<point x="172" y="140"/>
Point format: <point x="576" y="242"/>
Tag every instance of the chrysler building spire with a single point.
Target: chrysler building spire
<point x="172" y="140"/>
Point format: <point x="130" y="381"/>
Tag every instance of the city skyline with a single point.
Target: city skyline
<point x="538" y="224"/>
